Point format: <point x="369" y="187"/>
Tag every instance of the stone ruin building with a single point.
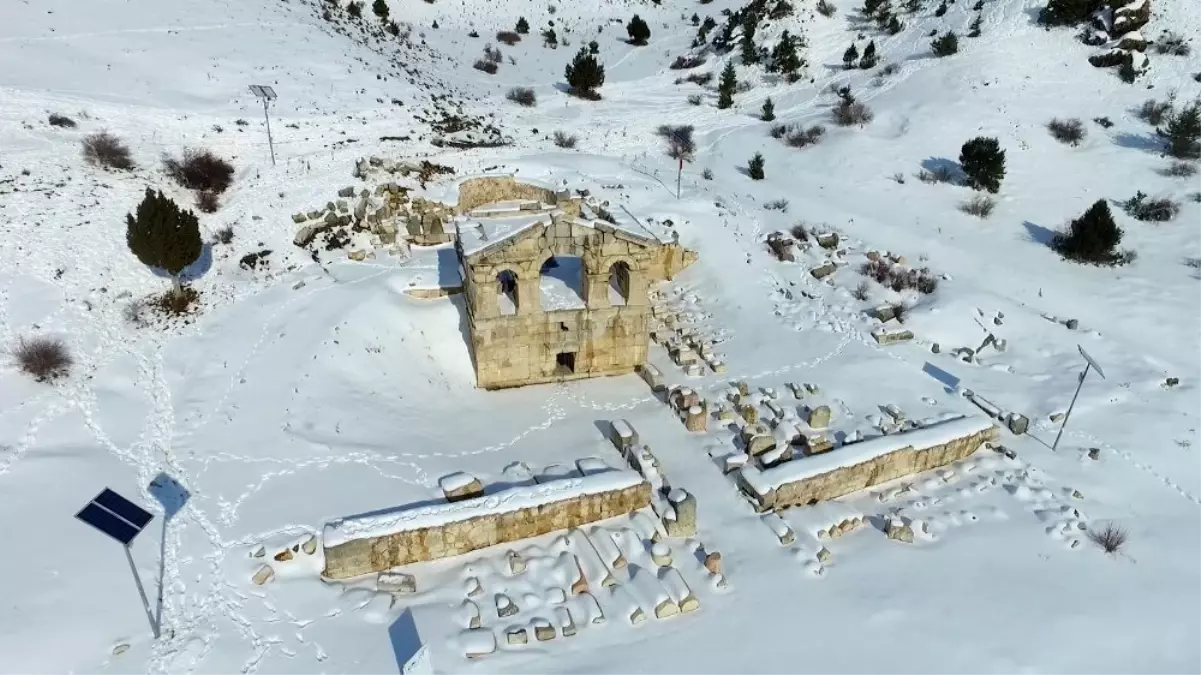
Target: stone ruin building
<point x="555" y="289"/>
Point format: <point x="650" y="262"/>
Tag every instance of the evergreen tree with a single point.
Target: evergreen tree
<point x="726" y="86"/>
<point x="870" y="7"/>
<point x="946" y="45"/>
<point x="1091" y="238"/>
<point x="754" y="168"/>
<point x="638" y="31"/>
<point x="913" y="6"/>
<point x="722" y="42"/>
<point x="869" y="56"/>
<point x="549" y="38"/>
<point x="784" y="57"/>
<point x="1183" y="131"/>
<point x="941" y="9"/>
<point x="585" y="74"/>
<point x="1068" y="12"/>
<point x="983" y="161"/>
<point x="850" y="56"/>
<point x="355" y="8"/>
<point x="594" y="47"/>
<point x="380" y="9"/>
<point x="769" y="110"/>
<point x="163" y="235"/>
<point x="696" y="20"/>
<point x="750" y="53"/>
<point x="523" y="27"/>
<point x="895" y="26"/>
<point x="974" y="28"/>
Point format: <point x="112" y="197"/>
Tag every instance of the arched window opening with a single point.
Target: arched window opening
<point x="506" y="288"/>
<point x="619" y="283"/>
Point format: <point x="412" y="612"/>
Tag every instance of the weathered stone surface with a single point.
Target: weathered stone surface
<point x="661" y="555"/>
<point x="899" y="532"/>
<point x="666" y="608"/>
<point x="284" y="555"/>
<point x="459" y="486"/>
<point x="819" y="417"/>
<point x="262" y="575"/>
<point x="346" y="191"/>
<point x="396" y="582"/>
<point x="760" y="444"/>
<point x="516" y="636"/>
<point x="1018" y="424"/>
<point x="373" y="554"/>
<point x="298" y="218"/>
<point x="544" y="632"/>
<point x="684" y="503"/>
<point x="888" y="337"/>
<point x="696" y="418"/>
<point x="310" y="545"/>
<point x="516" y="562"/>
<point x="823" y="270"/>
<point x="823" y="555"/>
<point x="750" y="414"/>
<point x="505" y="605"/>
<point x="713" y="562"/>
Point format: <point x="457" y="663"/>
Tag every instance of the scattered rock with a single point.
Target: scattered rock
<point x="516" y="562"/>
<point x="934" y="348"/>
<point x="310" y="545"/>
<point x="1171" y="382"/>
<point x="258" y="552"/>
<point x="823" y="555"/>
<point x="505" y="606"/>
<point x="1018" y="424"/>
<point x="661" y="555"/>
<point x="1094" y="453"/>
<point x="396" y="582"/>
<point x="284" y="555"/>
<point x="899" y="532"/>
<point x="544" y="632"/>
<point x="473" y="587"/>
<point x="346" y="191"/>
<point x="263" y="575"/>
<point x="1076" y="494"/>
<point x="819" y="417"/>
<point x="1071" y="324"/>
<point x="357" y="255"/>
<point x="713" y="562"/>
<point x="1057" y="417"/>
<point x="299" y="217"/>
<point x="824" y="270"/>
<point x="120" y="649"/>
<point x="516" y="636"/>
<point x="666" y="608"/>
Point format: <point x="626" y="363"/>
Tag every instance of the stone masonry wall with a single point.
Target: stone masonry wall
<point x="897" y="464"/>
<point x="364" y="556"/>
<point x="475" y="192"/>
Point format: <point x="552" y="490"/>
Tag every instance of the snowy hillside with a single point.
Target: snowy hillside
<point x="306" y="386"/>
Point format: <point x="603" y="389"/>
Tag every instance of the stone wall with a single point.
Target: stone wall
<point x="374" y="554"/>
<point x="475" y="192"/>
<point x="844" y="480"/>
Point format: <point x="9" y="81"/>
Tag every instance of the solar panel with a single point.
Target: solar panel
<point x="108" y="523"/>
<point x="127" y="510"/>
<point x="263" y="91"/>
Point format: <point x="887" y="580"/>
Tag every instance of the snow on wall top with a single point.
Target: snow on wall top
<point x="403" y="519"/>
<point x="477" y="234"/>
<point x="762" y="481"/>
<point x="448" y="192"/>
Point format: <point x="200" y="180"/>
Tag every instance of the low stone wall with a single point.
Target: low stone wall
<point x="483" y="190"/>
<point x="861" y="465"/>
<point x="377" y="542"/>
<point x="433" y="293"/>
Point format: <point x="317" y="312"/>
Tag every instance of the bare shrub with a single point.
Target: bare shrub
<point x="861" y="291"/>
<point x="46" y="359"/>
<point x="176" y="303"/>
<point x="106" y="150"/>
<point x="803" y="138"/>
<point x="207" y="201"/>
<point x="1103" y="122"/>
<point x="849" y="111"/>
<point x="707" y="174"/>
<point x="1070" y="131"/>
<point x="200" y="170"/>
<point x="508" y="37"/>
<point x="695" y="99"/>
<point x="980" y="206"/>
<point x="1152" y="111"/>
<point x="225" y="235"/>
<point x="780" y="205"/>
<point x="700" y="78"/>
<point x="135" y="313"/>
<point x="485" y="66"/>
<point x="926" y="284"/>
<point x="1179" y="170"/>
<point x="799" y="232"/>
<point x="1109" y="537"/>
<point x="688" y="61"/>
<point x="57" y="120"/>
<point x="493" y="54"/>
<point x="898" y="178"/>
<point x="826" y="9"/>
<point x="522" y="96"/>
<point x="1141" y="208"/>
<point x="941" y="174"/>
<point x="565" y="140"/>
<point x="1172" y="44"/>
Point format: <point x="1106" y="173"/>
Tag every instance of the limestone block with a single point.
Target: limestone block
<point x="817" y="444"/>
<point x="310" y="545"/>
<point x="823" y="271"/>
<point x="283" y="556"/>
<point x="516" y="562"/>
<point x="823" y="555"/>
<point x="696" y="419"/>
<point x="750" y="414"/>
<point x="505" y="606"/>
<point x="666" y="608"/>
<point x="888" y="337"/>
<point x="713" y="562"/>
<point x="899" y="532"/>
<point x="298" y="218"/>
<point x="819" y="417"/>
<point x="262" y="575"/>
<point x="684" y="504"/>
<point x="543" y="631"/>
<point x="580" y="585"/>
<point x="396" y="582"/>
<point x="459" y="486"/>
<point x="566" y="624"/>
<point x="1018" y="424"/>
<point x="760" y="444"/>
<point x="516" y="636"/>
<point x="661" y="555"/>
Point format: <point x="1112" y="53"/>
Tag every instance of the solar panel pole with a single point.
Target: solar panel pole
<point x="267" y="94"/>
<point x="1088" y="363"/>
<point x="137" y="579"/>
<point x="270" y="142"/>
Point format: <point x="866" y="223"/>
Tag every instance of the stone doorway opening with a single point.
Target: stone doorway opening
<point x="565" y="363"/>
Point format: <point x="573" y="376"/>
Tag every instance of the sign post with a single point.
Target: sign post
<point x="122" y="520"/>
<point x="267" y="94"/>
<point x="1088" y="363"/>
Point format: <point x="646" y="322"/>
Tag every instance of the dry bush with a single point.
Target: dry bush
<point x="803" y="138"/>
<point x="1070" y="131"/>
<point x="225" y="235"/>
<point x="1172" y="44"/>
<point x="43" y="358"/>
<point x="799" y="232"/>
<point x="522" y="96"/>
<point x="106" y="150"/>
<point x="689" y="61"/>
<point x="1179" y="170"/>
<point x="861" y="291"/>
<point x="942" y="174"/>
<point x="780" y="205"/>
<point x="825" y="8"/>
<point x="695" y="99"/>
<point x="1103" y="122"/>
<point x="565" y="140"/>
<point x="1110" y="537"/>
<point x="700" y="78"/>
<point x="57" y="120"/>
<point x="1152" y="111"/>
<point x="493" y="54"/>
<point x="850" y="112"/>
<point x="926" y="284"/>
<point x="200" y="170"/>
<point x="1159" y="210"/>
<point x="707" y="174"/>
<point x="173" y="303"/>
<point x="207" y="201"/>
<point x="508" y="37"/>
<point x="485" y="65"/>
<point x="980" y="205"/>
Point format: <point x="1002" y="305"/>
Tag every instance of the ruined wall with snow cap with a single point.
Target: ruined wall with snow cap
<point x="382" y="540"/>
<point x="475" y="191"/>
<point x="861" y="465"/>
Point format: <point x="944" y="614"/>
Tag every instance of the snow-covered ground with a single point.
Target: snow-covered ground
<point x="303" y="392"/>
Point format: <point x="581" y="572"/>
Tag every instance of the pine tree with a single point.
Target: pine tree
<point x="594" y="47"/>
<point x="754" y="168"/>
<point x="523" y="27"/>
<point x="380" y="9"/>
<point x="1091" y="238"/>
<point x="696" y="20"/>
<point x="870" y="6"/>
<point x="784" y="57"/>
<point x="869" y="56"/>
<point x="769" y="110"/>
<point x="941" y="9"/>
<point x="726" y="86"/>
<point x="1068" y="12"/>
<point x="895" y="26"/>
<point x="974" y="28"/>
<point x="585" y="74"/>
<point x="913" y="6"/>
<point x="946" y="45"/>
<point x="983" y="161"/>
<point x="1183" y="131"/>
<point x="750" y="53"/>
<point x="354" y="8"/>
<point x="163" y="235"/>
<point x="850" y="56"/>
<point x="638" y="31"/>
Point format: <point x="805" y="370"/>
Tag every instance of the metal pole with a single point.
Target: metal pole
<point x="270" y="142"/>
<point x="679" y="174"/>
<point x="1068" y="414"/>
<point x="142" y="592"/>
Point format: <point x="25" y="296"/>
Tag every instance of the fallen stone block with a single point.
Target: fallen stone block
<point x="263" y="575"/>
<point x="566" y="624"/>
<point x="543" y="631"/>
<point x="477" y="642"/>
<point x="899" y="532"/>
<point x="396" y="582"/>
<point x="888" y="337"/>
<point x="517" y="636"/>
<point x="713" y="562"/>
<point x="505" y="606"/>
<point x="661" y="555"/>
<point x="824" y="270"/>
<point x="819" y="417"/>
<point x="1018" y="424"/>
<point x="780" y="528"/>
<point x="684" y="504"/>
<point x="459" y="486"/>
